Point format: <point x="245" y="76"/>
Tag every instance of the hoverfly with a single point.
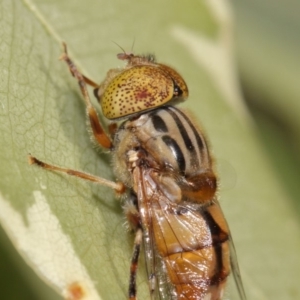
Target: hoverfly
<point x="164" y="166"/>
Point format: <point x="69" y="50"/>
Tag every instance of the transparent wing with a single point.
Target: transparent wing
<point x="147" y="195"/>
<point x="236" y="270"/>
<point x="186" y="245"/>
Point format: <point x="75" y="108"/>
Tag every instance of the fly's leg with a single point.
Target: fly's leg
<point x="134" y="264"/>
<point x="100" y="135"/>
<point x="134" y="222"/>
<point x="88" y="80"/>
<point x="119" y="187"/>
<point x="112" y="128"/>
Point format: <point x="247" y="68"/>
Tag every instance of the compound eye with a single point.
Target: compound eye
<point x="135" y="90"/>
<point x="180" y="87"/>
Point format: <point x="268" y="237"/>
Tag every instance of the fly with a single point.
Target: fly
<point x="165" y="171"/>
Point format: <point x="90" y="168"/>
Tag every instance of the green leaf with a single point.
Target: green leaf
<point x="71" y="231"/>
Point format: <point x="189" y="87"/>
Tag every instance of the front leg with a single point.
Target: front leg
<point x="98" y="132"/>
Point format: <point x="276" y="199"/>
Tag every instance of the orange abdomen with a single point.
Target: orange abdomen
<point x="193" y="245"/>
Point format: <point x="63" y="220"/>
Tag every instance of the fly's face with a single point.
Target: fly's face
<point x="163" y="162"/>
<point x="142" y="85"/>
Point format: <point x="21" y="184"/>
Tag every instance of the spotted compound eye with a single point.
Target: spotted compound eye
<point x="140" y="88"/>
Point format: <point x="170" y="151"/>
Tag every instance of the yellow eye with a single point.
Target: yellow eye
<point x="140" y="88"/>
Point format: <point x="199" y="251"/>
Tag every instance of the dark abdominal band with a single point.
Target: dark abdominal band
<point x="218" y="238"/>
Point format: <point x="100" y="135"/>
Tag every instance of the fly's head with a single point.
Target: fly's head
<point x="142" y="85"/>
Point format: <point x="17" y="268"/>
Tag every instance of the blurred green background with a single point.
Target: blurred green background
<point x="267" y="47"/>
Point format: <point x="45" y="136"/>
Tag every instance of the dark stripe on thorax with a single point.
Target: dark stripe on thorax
<point x="198" y="138"/>
<point x="187" y="141"/>
<point x="172" y="144"/>
<point x="200" y="141"/>
<point x="158" y="123"/>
